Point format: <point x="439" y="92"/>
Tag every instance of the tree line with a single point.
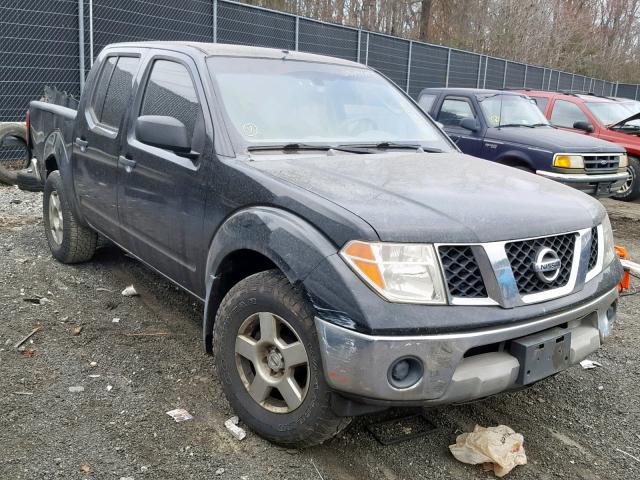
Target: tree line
<point x="597" y="38"/>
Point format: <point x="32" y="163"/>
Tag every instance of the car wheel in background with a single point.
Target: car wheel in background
<point x="13" y="151"/>
<point x="631" y="189"/>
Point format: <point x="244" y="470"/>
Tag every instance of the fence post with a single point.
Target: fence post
<point x="479" y="70"/>
<point x="366" y="54"/>
<point x="573" y="77"/>
<point x="91" y="57"/>
<point x="504" y="76"/>
<point x="359" y="42"/>
<point x="484" y="79"/>
<point x="636" y="97"/>
<point x="81" y="42"/>
<point x="446" y="77"/>
<point x="526" y="70"/>
<point x="297" y="30"/>
<point x="214" y="25"/>
<point x="409" y="66"/>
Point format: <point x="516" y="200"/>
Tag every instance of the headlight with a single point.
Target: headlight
<point x="407" y="273"/>
<point x="568" y="161"/>
<point x="624" y="161"/>
<point x="607" y="242"/>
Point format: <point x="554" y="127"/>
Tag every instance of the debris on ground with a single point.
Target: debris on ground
<point x="130" y="291"/>
<point x="500" y="446"/>
<point x="589" y="364"/>
<point x="179" y="415"/>
<point x="76" y="389"/>
<point x="31" y="334"/>
<point x="109" y="388"/>
<point x="236" y="431"/>
<point x="93" y="364"/>
<point x="77" y="330"/>
<point x="115" y="320"/>
<point x="27" y="352"/>
<point x="86" y="468"/>
<point x="220" y="471"/>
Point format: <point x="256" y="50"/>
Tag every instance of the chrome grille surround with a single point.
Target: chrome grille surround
<point x="601" y="163"/>
<point x="500" y="281"/>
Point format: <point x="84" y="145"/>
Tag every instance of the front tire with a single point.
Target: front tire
<point x="631" y="189"/>
<point x="268" y="360"/>
<point x="69" y="241"/>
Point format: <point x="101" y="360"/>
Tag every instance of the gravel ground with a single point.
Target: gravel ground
<point x="575" y="425"/>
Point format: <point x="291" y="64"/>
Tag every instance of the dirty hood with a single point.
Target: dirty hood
<point x="429" y="197"/>
<point x="552" y="139"/>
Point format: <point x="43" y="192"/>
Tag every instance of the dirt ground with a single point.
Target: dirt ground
<point x="575" y="425"/>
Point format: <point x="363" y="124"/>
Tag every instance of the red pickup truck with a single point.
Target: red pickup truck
<point x="599" y="117"/>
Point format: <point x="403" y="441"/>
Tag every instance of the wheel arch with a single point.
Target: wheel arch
<point x="514" y="158"/>
<point x="257" y="239"/>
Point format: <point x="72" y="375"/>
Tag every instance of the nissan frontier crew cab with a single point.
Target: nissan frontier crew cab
<point x="348" y="257"/>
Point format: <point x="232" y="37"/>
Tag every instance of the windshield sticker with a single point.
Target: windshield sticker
<point x="250" y="129"/>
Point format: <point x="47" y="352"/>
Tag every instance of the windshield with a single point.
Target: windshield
<point x="512" y="110"/>
<point x="608" y="113"/>
<point x="272" y="102"/>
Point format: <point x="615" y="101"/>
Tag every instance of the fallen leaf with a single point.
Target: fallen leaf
<point x="28" y="353"/>
<point x="86" y="468"/>
<point x="77" y="330"/>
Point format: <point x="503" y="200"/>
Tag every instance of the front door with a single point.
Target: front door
<point x="161" y="193"/>
<point x="451" y="114"/>
<point x="97" y="140"/>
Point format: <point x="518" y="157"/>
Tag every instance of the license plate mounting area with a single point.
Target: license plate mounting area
<point x="541" y="354"/>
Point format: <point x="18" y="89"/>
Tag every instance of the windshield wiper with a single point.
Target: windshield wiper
<point x="540" y="125"/>
<point x="387" y="145"/>
<point x="288" y="147"/>
<point x="515" y="125"/>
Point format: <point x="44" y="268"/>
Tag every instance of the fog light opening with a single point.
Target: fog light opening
<point x="405" y="372"/>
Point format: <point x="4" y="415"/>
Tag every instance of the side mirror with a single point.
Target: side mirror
<point x="470" y="124"/>
<point x="586" y="126"/>
<point x="163" y="132"/>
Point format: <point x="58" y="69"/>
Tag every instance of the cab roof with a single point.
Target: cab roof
<point x="469" y="91"/>
<point x="586" y="97"/>
<point x="229" y="50"/>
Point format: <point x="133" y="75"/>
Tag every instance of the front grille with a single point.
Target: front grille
<point x="601" y="163"/>
<point x="522" y="255"/>
<point x="462" y="272"/>
<point x="593" y="250"/>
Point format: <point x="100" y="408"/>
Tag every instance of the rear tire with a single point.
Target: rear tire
<point x="69" y="241"/>
<point x="249" y="314"/>
<point x="10" y="166"/>
<point x="631" y="190"/>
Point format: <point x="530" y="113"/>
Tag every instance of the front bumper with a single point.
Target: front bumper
<point x="357" y="364"/>
<point x="602" y="185"/>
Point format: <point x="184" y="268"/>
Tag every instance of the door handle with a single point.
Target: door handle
<point x="81" y="144"/>
<point x="129" y="164"/>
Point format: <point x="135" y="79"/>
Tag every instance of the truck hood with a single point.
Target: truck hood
<point x="552" y="139"/>
<point x="635" y="116"/>
<point x="447" y="197"/>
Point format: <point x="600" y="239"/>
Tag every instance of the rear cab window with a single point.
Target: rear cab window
<point x="541" y="103"/>
<point x="426" y="101"/>
<point x="113" y="89"/>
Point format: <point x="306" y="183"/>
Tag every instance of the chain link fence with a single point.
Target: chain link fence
<point x="54" y="43"/>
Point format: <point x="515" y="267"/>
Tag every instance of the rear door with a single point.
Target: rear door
<point x="453" y="110"/>
<point x="161" y="196"/>
<point x="97" y="139"/>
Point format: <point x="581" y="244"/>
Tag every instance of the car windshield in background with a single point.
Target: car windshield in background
<point x="276" y="102"/>
<point x="511" y="111"/>
<point x="608" y="113"/>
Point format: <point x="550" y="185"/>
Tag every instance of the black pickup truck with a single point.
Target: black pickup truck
<point x="349" y="258"/>
<point x="507" y="127"/>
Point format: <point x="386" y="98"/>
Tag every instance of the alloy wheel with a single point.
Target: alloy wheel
<point x="272" y="362"/>
<point x="56" y="220"/>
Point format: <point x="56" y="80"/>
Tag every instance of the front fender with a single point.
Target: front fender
<point x="294" y="245"/>
<point x="509" y="155"/>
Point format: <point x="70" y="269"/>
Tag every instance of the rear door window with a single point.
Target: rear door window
<point x="454" y="110"/>
<point x="565" y="114"/>
<point x="113" y="91"/>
